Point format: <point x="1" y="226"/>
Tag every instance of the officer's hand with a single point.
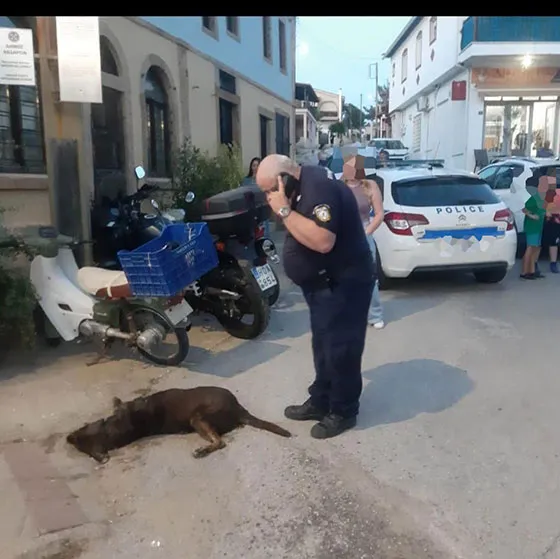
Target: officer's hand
<point x="277" y="198"/>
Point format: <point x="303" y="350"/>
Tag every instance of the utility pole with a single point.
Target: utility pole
<point x="376" y="93"/>
<point x="361" y="113"/>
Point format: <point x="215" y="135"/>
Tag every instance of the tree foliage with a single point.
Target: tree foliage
<point x="337" y="128"/>
<point x="352" y="116"/>
<point x="197" y="171"/>
<point x="17" y="296"/>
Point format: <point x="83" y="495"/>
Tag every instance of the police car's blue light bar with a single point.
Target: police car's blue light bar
<point x="336" y="164"/>
<point x="416" y="163"/>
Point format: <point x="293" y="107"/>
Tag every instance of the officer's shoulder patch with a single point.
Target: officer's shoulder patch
<point x="322" y="212"/>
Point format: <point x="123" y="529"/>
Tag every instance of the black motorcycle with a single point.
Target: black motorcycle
<point x="242" y="285"/>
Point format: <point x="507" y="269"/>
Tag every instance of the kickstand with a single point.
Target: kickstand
<point x="103" y="353"/>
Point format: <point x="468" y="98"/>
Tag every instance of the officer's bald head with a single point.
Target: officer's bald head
<point x="271" y="166"/>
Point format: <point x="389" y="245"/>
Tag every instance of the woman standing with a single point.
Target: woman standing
<point x="368" y="196"/>
<point x="253" y="166"/>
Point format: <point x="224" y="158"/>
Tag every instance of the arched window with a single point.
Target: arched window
<point x="419" y="50"/>
<point x="108" y="62"/>
<point x="22" y="145"/>
<point x="404" y="65"/>
<point x="157" y="121"/>
<point x="107" y="119"/>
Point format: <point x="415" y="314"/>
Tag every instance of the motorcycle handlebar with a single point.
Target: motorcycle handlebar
<point x="143" y="192"/>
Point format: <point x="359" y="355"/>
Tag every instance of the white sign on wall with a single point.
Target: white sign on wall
<point x="79" y="59"/>
<point x="17" y="65"/>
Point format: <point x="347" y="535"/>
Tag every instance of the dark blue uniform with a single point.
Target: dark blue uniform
<point x="337" y="287"/>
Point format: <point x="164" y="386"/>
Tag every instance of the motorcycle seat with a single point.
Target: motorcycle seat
<point x="104" y="284"/>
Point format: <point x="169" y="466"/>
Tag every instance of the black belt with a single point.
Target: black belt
<point x="323" y="280"/>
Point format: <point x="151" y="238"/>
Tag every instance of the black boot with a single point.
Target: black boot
<point x="332" y="425"/>
<point x="304" y="412"/>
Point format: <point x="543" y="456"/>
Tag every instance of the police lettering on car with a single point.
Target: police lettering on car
<point x="460" y="209"/>
<point x="325" y="253"/>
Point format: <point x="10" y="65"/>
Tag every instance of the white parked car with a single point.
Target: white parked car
<point x="441" y="219"/>
<point x="395" y="148"/>
<point x="508" y="177"/>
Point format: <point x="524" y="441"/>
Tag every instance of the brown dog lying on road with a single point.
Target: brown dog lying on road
<point x="209" y="410"/>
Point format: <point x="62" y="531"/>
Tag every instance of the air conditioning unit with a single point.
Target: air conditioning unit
<point x="423" y="104"/>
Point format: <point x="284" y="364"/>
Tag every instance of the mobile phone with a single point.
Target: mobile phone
<point x="290" y="184"/>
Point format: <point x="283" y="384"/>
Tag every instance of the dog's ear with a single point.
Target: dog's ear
<point x="117" y="403"/>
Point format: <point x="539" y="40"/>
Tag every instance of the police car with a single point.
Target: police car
<point x="440" y="219"/>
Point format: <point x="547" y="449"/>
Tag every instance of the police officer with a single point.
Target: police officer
<point x="326" y="253"/>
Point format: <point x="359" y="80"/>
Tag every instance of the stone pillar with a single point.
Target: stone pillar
<point x="64" y="121"/>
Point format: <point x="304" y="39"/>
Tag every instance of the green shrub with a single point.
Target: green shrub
<point x="205" y="175"/>
<point x="17" y="298"/>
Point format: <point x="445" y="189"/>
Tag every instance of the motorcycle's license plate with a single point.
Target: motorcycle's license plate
<point x="265" y="277"/>
<point x="178" y="313"/>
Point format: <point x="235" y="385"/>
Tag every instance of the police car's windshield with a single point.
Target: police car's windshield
<point x="387" y="144"/>
<point x="442" y="191"/>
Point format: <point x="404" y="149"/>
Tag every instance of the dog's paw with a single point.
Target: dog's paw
<point x="101" y="458"/>
<point x="200" y="452"/>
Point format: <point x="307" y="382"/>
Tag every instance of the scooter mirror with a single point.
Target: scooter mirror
<point x="189" y="197"/>
<point x="155" y="204"/>
<point x="139" y="172"/>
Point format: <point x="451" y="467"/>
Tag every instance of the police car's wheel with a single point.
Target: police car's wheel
<point x="521" y="244"/>
<point x="494" y="275"/>
<point x="383" y="281"/>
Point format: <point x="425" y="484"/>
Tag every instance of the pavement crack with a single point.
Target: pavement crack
<point x="553" y="546"/>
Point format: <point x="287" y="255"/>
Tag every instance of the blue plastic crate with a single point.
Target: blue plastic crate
<point x="154" y="270"/>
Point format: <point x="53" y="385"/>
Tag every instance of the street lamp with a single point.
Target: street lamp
<point x="526" y="61"/>
<point x="375" y="76"/>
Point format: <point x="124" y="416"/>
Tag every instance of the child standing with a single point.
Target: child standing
<point x="534" y="211"/>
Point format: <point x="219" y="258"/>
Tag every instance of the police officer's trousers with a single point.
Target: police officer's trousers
<point x="338" y="325"/>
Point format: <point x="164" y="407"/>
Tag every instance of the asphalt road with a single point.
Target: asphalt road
<point x="456" y="454"/>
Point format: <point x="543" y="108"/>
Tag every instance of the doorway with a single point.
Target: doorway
<point x="107" y="130"/>
<point x="520" y="126"/>
<point x="507" y="128"/>
<point x="544" y="120"/>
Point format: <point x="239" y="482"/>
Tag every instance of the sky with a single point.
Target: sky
<point x="336" y="52"/>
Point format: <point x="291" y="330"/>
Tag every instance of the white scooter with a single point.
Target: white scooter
<point x="96" y="302"/>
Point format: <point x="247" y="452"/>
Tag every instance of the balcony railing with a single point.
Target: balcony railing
<point x="305" y="104"/>
<point x="510" y="29"/>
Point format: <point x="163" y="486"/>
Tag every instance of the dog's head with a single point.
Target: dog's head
<point x="91" y="439"/>
<point x="97" y="438"/>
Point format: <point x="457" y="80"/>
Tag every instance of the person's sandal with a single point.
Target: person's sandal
<point x="527" y="276"/>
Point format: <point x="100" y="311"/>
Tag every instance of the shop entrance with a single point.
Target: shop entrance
<point x="520" y="126"/>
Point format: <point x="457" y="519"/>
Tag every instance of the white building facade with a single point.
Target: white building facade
<point x="330" y="109"/>
<point x="465" y="83"/>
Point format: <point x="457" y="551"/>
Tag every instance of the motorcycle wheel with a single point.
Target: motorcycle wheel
<point x="144" y="317"/>
<point x="251" y="302"/>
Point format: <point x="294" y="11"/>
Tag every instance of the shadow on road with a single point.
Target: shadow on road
<point x="24" y="362"/>
<point x="402" y="306"/>
<point x="234" y="361"/>
<point x="401" y="391"/>
<point x="447" y="282"/>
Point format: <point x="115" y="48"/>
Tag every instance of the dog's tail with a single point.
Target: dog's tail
<point x="253" y="421"/>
